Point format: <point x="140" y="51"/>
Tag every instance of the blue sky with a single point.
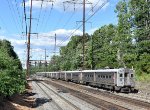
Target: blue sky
<point x="49" y="20"/>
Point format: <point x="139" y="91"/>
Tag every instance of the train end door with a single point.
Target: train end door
<point x="120" y="78"/>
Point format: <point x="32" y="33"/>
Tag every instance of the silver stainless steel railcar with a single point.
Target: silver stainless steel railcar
<point x="113" y="79"/>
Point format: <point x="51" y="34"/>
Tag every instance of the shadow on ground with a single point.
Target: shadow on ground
<point x="23" y="101"/>
<point x="40" y="101"/>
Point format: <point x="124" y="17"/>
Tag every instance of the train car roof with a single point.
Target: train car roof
<point x="70" y="71"/>
<point x="98" y="70"/>
<point x="102" y="70"/>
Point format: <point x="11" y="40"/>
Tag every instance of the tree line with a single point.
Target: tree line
<point x="126" y="44"/>
<point x="12" y="78"/>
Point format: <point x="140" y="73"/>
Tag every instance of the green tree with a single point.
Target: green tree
<point x="123" y="39"/>
<point x="102" y="51"/>
<point x="140" y="10"/>
<point x="12" y="79"/>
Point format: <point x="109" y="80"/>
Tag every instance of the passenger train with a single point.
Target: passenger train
<point x="119" y="80"/>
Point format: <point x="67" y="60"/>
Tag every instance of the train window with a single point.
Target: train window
<point x="99" y="76"/>
<point x="126" y="75"/>
<point x="132" y="75"/>
<point x="109" y="76"/>
<point x="106" y="76"/>
<point x="120" y="75"/>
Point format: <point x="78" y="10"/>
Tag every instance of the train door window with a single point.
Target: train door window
<point x="126" y="75"/>
<point x="131" y="75"/>
<point x="121" y="75"/>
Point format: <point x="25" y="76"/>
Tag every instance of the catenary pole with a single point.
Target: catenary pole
<point x="28" y="44"/>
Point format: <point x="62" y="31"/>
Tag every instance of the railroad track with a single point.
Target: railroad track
<point x="47" y="95"/>
<point x="102" y="104"/>
<point x="118" y="97"/>
<point x="130" y="101"/>
<point x="65" y="102"/>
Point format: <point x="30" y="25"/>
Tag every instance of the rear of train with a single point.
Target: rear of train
<point x="125" y="80"/>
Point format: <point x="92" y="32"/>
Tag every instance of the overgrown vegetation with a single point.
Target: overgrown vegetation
<point x="126" y="44"/>
<point x="12" y="79"/>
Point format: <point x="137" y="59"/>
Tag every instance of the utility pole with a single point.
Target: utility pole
<point x="83" y="40"/>
<point x="28" y="39"/>
<point x="45" y="61"/>
<point x="92" y="63"/>
<point x="83" y="21"/>
<point x="55" y="45"/>
<point x="28" y="43"/>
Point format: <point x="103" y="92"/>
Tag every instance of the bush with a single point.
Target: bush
<point x="12" y="78"/>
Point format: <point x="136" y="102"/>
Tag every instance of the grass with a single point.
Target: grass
<point x="142" y="77"/>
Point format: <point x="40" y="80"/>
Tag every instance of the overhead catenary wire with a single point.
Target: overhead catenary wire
<point x="15" y="23"/>
<point x="39" y="14"/>
<point x="66" y="23"/>
<point x="100" y="7"/>
<point x="25" y="19"/>
<point x="49" y="14"/>
<point x="42" y="21"/>
<point x="19" y="15"/>
<point x="74" y="2"/>
<point x="61" y="17"/>
<point x="68" y="20"/>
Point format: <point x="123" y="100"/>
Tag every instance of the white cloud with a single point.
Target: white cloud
<point x="59" y="5"/>
<point x="91" y="31"/>
<point x="37" y="4"/>
<point x="2" y="37"/>
<point x="44" y="40"/>
<point x="61" y="35"/>
<point x="47" y="39"/>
